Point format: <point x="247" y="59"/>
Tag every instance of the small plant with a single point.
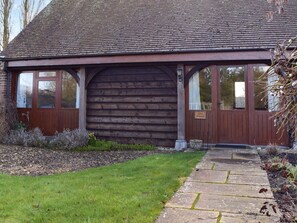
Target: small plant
<point x="272" y="150"/>
<point x="20" y="126"/>
<point x="21" y="137"/>
<point x="92" y="139"/>
<point x="69" y="140"/>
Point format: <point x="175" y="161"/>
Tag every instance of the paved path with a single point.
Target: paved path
<point x="223" y="189"/>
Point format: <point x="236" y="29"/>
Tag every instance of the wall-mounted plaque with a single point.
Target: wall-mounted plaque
<point x="200" y="115"/>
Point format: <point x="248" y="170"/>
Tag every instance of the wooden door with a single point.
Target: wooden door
<point x="232" y="106"/>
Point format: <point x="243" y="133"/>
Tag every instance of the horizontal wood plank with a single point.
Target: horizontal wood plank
<point x="131" y="113"/>
<point x="133" y="99"/>
<point x="133" y="127"/>
<point x="133" y="120"/>
<point x="136" y="106"/>
<point x="135" y="92"/>
<point x="131" y="85"/>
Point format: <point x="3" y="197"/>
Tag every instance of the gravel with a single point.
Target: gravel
<point x="17" y="160"/>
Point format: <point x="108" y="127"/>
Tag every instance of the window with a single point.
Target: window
<point x="264" y="99"/>
<point x="232" y="88"/>
<point x="70" y="91"/>
<point x="25" y="90"/>
<point x="47" y="74"/>
<point x="46" y="94"/>
<point x="200" y="90"/>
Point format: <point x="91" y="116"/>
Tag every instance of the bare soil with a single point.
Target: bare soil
<point x="283" y="190"/>
<point x="17" y="160"/>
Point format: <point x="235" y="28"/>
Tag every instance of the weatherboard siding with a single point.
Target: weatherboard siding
<point x="133" y="105"/>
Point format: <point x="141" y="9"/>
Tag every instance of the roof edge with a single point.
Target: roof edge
<point x="259" y="55"/>
<point x="215" y="50"/>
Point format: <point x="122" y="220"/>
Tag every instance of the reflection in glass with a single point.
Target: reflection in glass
<point x="200" y="90"/>
<point x="46" y="94"/>
<point x="264" y="100"/>
<point x="70" y="91"/>
<point x="47" y="74"/>
<point x="24" y="90"/>
<point x="232" y="88"/>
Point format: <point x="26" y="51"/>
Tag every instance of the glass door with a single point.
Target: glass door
<point x="232" y="105"/>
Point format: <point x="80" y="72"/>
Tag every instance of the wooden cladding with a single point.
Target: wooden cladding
<point x="133" y="105"/>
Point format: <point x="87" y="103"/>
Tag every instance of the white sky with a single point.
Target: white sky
<point x="15" y="17"/>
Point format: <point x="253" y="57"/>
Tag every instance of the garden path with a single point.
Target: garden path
<point x="224" y="188"/>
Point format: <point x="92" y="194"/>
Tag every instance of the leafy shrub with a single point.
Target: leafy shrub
<point x="69" y="140"/>
<point x="8" y="118"/>
<point x="32" y="138"/>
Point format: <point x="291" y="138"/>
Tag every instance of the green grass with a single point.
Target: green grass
<point x="134" y="191"/>
<point x="102" y="145"/>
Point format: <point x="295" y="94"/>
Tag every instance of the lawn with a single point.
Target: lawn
<point x="134" y="191"/>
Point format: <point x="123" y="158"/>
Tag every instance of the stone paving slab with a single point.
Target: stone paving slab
<point x="182" y="200"/>
<point x="205" y="165"/>
<point x="249" y="180"/>
<point x="208" y="176"/>
<point x="249" y="173"/>
<point x="245" y="156"/>
<point x="173" y="215"/>
<point x="237" y="218"/>
<point x="240" y="205"/>
<point x="225" y="189"/>
<point x="237" y="167"/>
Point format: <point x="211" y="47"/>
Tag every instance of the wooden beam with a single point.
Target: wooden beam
<point x="147" y="58"/>
<point x="73" y="74"/>
<point x="181" y="111"/>
<point x="82" y="99"/>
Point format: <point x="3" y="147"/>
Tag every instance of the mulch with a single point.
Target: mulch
<point x="17" y="160"/>
<point x="285" y="195"/>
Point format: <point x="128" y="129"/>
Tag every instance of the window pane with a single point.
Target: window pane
<point x="47" y="74"/>
<point x="264" y="100"/>
<point x="24" y="90"/>
<point x="69" y="91"/>
<point x="232" y="88"/>
<point x="46" y="94"/>
<point x="200" y="90"/>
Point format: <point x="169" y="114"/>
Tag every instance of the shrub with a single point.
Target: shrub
<point x="8" y="118"/>
<point x="272" y="150"/>
<point x="92" y="139"/>
<point x="21" y="137"/>
<point x="69" y="140"/>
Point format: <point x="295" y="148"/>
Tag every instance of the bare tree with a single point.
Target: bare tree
<point x="279" y="8"/>
<point x="5" y="21"/>
<point x="29" y="9"/>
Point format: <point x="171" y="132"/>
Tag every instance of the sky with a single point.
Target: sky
<point x="15" y="17"/>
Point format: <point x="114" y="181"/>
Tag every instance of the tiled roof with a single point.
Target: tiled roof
<point x="106" y="27"/>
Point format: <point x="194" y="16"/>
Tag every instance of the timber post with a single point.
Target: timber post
<point x="181" y="143"/>
<point x="82" y="99"/>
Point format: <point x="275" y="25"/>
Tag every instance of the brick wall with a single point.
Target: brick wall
<point x="3" y="83"/>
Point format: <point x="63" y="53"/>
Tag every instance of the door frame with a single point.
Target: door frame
<point x="195" y="129"/>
